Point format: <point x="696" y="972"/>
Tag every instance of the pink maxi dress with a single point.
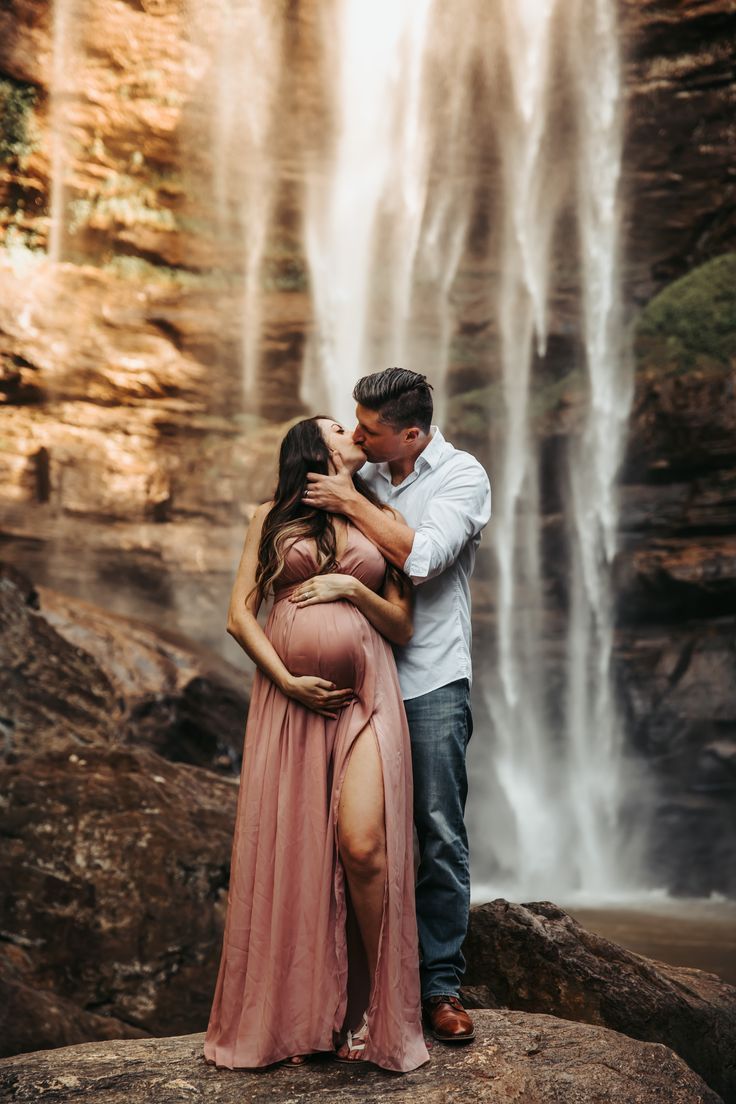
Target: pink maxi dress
<point x="292" y="974"/>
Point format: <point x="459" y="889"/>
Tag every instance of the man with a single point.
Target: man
<point x="445" y="499"/>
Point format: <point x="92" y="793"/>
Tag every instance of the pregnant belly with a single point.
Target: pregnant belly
<point x="327" y="640"/>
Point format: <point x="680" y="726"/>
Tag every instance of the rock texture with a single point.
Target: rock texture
<point x="676" y="575"/>
<point x="517" y="1057"/>
<point x="537" y="958"/>
<point x="115" y="842"/>
<point x="71" y="673"/>
<point x="33" y="1017"/>
<point x="115" y="868"/>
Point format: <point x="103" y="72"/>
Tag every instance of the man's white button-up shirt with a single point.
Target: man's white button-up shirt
<point x="446" y="499"/>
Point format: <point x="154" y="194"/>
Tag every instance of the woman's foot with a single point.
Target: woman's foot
<point x="353" y="1047"/>
<point x="295" y="1060"/>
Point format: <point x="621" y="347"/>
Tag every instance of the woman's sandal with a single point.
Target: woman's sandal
<point x="355" y="1043"/>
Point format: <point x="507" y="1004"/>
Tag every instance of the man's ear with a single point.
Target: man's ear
<point x="410" y="435"/>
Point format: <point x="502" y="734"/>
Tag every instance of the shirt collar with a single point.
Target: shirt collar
<point x="428" y="458"/>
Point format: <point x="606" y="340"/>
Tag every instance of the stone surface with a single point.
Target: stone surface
<point x="114" y="867"/>
<point x="36" y="1018"/>
<point x="517" y="1057"/>
<point x="71" y="673"/>
<point x="535" y="957"/>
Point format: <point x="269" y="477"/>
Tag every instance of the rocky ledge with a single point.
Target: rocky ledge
<point x="535" y="957"/>
<point x="516" y="1057"/>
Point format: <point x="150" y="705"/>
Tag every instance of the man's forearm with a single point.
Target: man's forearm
<point x="392" y="537"/>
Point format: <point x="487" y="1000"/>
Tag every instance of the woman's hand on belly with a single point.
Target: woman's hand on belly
<point x="317" y="694"/>
<point x="324" y="588"/>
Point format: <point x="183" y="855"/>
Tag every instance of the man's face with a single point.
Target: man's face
<point x="380" y="442"/>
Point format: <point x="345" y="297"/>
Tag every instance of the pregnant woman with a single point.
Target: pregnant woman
<point x="320" y="945"/>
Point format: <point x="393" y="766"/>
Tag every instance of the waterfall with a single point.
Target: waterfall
<point x="595" y="763"/>
<point x="387" y="229"/>
<point x="559" y="762"/>
<point x="247" y="48"/>
<point x="374" y="230"/>
<point x="529" y="207"/>
<point x="64" y="86"/>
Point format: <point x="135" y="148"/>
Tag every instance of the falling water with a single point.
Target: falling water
<point x="561" y="778"/>
<point x="393" y="218"/>
<point x="528" y="774"/>
<point x="246" y="52"/>
<point x="64" y="86"/>
<point x="373" y="229"/>
<point x="596" y="763"/>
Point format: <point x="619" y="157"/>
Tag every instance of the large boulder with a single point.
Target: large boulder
<point x="34" y="1017"/>
<point x="516" y="1057"/>
<point x="115" y="867"/>
<point x="535" y="957"/>
<point x="73" y="673"/>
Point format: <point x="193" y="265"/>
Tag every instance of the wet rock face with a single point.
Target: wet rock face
<point x="34" y="1017"/>
<point x="72" y="674"/>
<point x="536" y="957"/>
<point x="537" y="1059"/>
<point x="116" y="841"/>
<point x="676" y="576"/>
<point x="678" y="159"/>
<point x="114" y="863"/>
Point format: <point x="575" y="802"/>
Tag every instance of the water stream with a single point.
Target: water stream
<point x="387" y="228"/>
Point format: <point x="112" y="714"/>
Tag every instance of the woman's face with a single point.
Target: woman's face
<point x="339" y="440"/>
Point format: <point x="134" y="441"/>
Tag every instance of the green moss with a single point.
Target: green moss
<point x="692" y="323"/>
<point x="473" y="409"/>
<point x="17" y="101"/>
<point x="142" y="271"/>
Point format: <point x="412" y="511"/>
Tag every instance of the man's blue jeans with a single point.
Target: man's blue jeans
<point x="440" y="724"/>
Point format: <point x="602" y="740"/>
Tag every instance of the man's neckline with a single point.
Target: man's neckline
<point x="429" y="455"/>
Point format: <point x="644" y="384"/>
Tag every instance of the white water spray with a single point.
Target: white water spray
<point x="374" y="231"/>
<point x="593" y="732"/>
<point x="247" y="54"/>
<point x="387" y="230"/>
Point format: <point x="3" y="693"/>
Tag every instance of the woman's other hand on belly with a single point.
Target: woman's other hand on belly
<point x="317" y="694"/>
<point x="324" y="588"/>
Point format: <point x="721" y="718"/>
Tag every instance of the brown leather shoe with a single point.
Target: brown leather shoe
<point x="447" y="1019"/>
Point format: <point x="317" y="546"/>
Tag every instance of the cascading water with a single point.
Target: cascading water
<point x="247" y="48"/>
<point x="559" y="763"/>
<point x="596" y="764"/>
<point x="374" y="229"/>
<point x="393" y="217"/>
<point x="64" y="86"/>
<point x="526" y="771"/>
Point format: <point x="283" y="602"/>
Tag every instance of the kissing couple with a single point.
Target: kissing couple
<point x="357" y="733"/>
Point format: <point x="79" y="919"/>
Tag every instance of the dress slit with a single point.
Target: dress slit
<point x="289" y="981"/>
<point x="357" y="1003"/>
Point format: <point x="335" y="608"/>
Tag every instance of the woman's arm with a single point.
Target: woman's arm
<point x="316" y="693"/>
<point x="389" y="613"/>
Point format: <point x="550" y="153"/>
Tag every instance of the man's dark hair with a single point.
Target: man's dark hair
<point x="402" y="398"/>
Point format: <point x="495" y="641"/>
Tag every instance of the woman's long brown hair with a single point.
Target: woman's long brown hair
<point x="303" y="450"/>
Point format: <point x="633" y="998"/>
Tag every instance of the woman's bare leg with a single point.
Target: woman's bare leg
<point x="362" y="839"/>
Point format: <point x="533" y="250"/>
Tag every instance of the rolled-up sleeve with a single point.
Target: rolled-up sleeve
<point x="459" y="509"/>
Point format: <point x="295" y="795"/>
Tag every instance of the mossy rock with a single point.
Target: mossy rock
<point x="17" y="101"/>
<point x="692" y="323"/>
